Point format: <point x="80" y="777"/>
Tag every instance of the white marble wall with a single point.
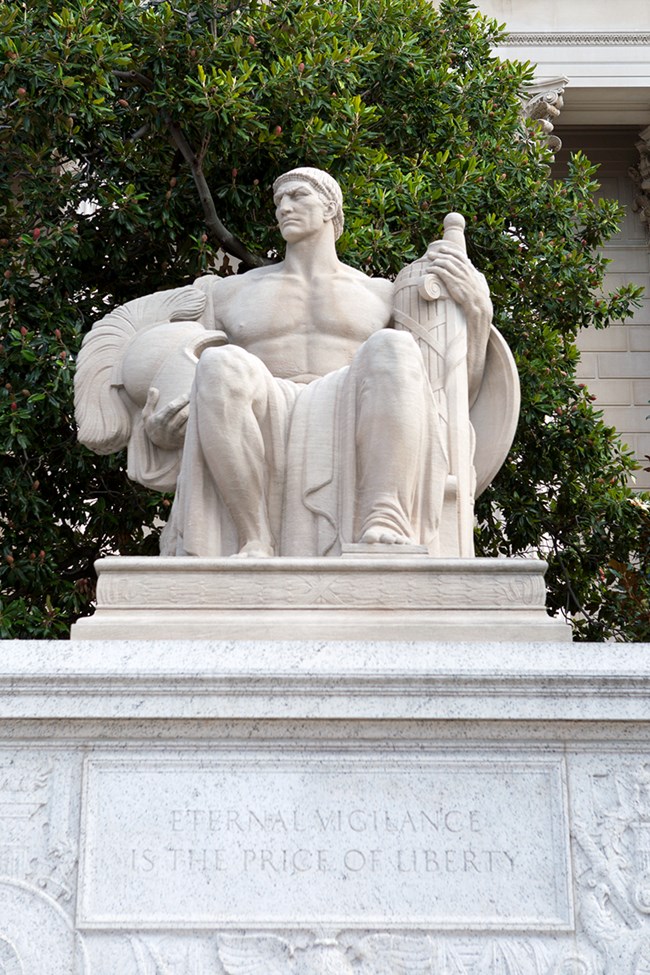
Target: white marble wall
<point x="569" y="15"/>
<point x="603" y="49"/>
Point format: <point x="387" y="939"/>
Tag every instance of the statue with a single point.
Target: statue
<point x="304" y="407"/>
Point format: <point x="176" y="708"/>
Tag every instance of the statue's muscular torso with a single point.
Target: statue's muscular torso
<point x="299" y="327"/>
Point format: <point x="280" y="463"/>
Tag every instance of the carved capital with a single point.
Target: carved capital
<point x="542" y="102"/>
<point x="640" y="175"/>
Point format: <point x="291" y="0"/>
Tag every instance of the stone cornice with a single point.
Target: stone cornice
<point x="578" y="39"/>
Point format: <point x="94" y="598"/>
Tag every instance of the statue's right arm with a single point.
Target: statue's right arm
<point x="166" y="427"/>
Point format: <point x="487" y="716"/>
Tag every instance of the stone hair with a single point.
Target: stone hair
<point x="324" y="184"/>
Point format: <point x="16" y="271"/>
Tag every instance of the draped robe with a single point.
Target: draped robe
<point x="310" y="433"/>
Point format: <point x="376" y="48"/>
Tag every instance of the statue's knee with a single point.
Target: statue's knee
<point x="226" y="373"/>
<point x="389" y="353"/>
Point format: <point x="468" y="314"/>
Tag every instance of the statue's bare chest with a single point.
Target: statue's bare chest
<point x="282" y="307"/>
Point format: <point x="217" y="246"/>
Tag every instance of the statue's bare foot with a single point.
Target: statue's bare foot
<point x="384" y="536"/>
<point x="255" y="549"/>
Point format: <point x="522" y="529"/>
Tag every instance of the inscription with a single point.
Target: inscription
<point x="355" y="842"/>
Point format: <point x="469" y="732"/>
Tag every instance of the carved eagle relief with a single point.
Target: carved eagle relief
<point x="374" y="955"/>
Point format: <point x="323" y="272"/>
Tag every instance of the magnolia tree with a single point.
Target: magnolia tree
<point x="139" y="144"/>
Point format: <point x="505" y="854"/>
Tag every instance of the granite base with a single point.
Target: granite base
<point x="211" y="808"/>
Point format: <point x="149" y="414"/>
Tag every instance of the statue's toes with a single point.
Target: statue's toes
<point x="385" y="536"/>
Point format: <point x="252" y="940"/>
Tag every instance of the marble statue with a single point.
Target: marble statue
<point x="303" y="408"/>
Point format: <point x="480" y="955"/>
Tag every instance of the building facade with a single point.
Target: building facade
<point x="593" y="64"/>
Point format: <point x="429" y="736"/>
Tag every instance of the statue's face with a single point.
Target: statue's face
<point x="300" y="210"/>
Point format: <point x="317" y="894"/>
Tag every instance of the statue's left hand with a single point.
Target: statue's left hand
<point x="466" y="286"/>
<point x="166" y="427"/>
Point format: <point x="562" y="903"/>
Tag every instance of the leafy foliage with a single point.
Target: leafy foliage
<point x="137" y="138"/>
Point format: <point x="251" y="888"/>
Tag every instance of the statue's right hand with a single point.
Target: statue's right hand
<point x="166" y="427"/>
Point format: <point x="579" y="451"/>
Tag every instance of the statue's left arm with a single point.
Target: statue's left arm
<point x="469" y="289"/>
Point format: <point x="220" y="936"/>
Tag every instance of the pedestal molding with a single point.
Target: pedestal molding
<point x="374" y="598"/>
<point x="197" y="679"/>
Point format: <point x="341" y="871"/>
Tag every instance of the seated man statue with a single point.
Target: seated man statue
<point x="294" y="410"/>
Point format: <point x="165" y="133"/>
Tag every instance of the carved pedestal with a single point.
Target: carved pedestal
<point x="407" y="597"/>
<point x="211" y="808"/>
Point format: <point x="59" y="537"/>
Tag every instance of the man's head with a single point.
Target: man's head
<point x="325" y="186"/>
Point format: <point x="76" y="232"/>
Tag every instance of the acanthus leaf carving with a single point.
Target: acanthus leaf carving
<point x="640" y="176"/>
<point x="542" y="102"/>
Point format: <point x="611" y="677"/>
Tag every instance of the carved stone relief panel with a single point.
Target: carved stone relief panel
<point x="39" y="815"/>
<point x="346" y="954"/>
<point x="611" y="839"/>
<point x="326" y="861"/>
<point x="36" y="934"/>
<point x="233" y="585"/>
<point x="39" y="800"/>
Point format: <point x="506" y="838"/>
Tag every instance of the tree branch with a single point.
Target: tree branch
<point x="139" y="133"/>
<point x="571" y="591"/>
<point x="226" y="240"/>
<point x="135" y="78"/>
